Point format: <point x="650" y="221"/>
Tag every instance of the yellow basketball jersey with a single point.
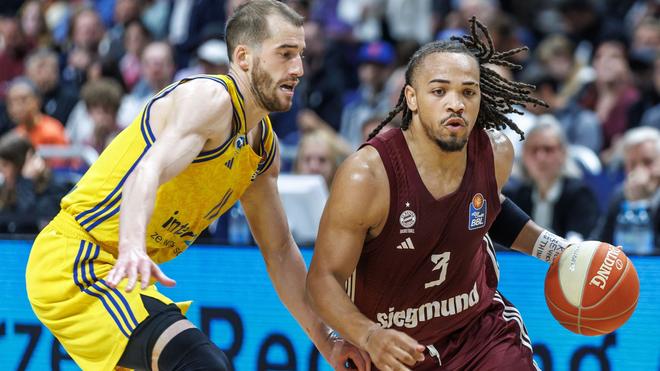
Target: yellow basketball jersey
<point x="187" y="203"/>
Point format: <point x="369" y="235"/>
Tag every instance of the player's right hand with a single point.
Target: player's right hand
<point x="393" y="350"/>
<point x="132" y="263"/>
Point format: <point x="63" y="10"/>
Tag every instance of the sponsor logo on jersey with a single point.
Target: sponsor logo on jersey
<point x="173" y="225"/>
<point x="411" y="317"/>
<point x="477" y="216"/>
<point x="406" y="245"/>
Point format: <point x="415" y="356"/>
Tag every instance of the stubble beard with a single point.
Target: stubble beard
<point x="263" y="87"/>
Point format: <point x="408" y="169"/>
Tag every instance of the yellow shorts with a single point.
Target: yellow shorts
<point x="66" y="287"/>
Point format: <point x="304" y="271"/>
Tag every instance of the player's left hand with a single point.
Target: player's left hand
<point x="346" y="356"/>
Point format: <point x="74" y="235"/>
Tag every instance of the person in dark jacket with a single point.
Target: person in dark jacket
<point x="548" y="189"/>
<point x="29" y="194"/>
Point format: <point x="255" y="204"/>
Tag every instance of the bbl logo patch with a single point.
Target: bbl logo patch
<point x="477" y="216"/>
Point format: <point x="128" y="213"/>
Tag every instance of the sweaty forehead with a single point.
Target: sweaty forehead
<point x="453" y="67"/>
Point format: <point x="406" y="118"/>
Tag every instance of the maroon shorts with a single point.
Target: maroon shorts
<point x="496" y="340"/>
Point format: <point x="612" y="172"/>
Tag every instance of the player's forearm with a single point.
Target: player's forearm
<point x="287" y="271"/>
<point x="527" y="237"/>
<point x="138" y="198"/>
<point x="329" y="300"/>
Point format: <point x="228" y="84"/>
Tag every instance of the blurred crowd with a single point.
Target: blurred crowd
<point x="75" y="73"/>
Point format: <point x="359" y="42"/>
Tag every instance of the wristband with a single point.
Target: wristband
<point x="548" y="246"/>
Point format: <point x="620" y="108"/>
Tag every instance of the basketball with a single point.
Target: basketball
<point x="592" y="288"/>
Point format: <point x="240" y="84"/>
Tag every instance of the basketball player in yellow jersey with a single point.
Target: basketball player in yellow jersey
<point x="199" y="145"/>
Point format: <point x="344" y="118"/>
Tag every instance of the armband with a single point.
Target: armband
<point x="508" y="224"/>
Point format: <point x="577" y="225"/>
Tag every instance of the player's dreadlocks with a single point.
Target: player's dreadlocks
<point x="498" y="95"/>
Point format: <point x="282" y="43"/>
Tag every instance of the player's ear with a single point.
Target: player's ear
<point x="411" y="98"/>
<point x="242" y="57"/>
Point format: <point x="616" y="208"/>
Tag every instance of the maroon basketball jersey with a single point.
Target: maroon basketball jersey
<point x="431" y="270"/>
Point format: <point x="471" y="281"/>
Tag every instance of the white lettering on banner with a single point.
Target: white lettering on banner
<point x="411" y="317"/>
<point x="600" y="279"/>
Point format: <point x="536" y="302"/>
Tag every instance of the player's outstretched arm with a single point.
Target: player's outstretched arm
<point x="285" y="264"/>
<point x="182" y="126"/>
<point x="357" y="205"/>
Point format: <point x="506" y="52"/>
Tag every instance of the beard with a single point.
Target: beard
<point x="452" y="143"/>
<point x="265" y="89"/>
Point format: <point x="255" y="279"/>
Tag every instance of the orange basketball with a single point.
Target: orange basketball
<point x="592" y="288"/>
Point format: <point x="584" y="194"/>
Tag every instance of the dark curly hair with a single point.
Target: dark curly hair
<point x="498" y="95"/>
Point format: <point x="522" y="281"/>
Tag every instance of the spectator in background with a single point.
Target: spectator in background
<point x="85" y="34"/>
<point x="644" y="46"/>
<point x="322" y="86"/>
<point x="187" y="22"/>
<point x="640" y="190"/>
<point x="29" y="195"/>
<point x="586" y="25"/>
<point x="33" y="24"/>
<point x="212" y="59"/>
<point x="580" y="126"/>
<point x="58" y="99"/>
<point x="547" y="191"/>
<point x="612" y="93"/>
<point x="124" y="13"/>
<point x="12" y="51"/>
<point x="157" y="72"/>
<point x="555" y="56"/>
<point x="320" y="152"/>
<point x="136" y="38"/>
<point x="375" y="65"/>
<point x="101" y="99"/>
<point x="646" y="112"/>
<point x="23" y="104"/>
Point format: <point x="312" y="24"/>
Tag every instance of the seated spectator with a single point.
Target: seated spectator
<point x="42" y="67"/>
<point x="12" y="51"/>
<point x="640" y="193"/>
<point x="612" y="93"/>
<point x="157" y="72"/>
<point x="101" y="99"/>
<point x="23" y="105"/>
<point x="376" y="63"/>
<point x="320" y="152"/>
<point x="553" y="197"/>
<point x="136" y="38"/>
<point x="29" y="195"/>
<point x="212" y="59"/>
<point x="581" y="126"/>
<point x="647" y="111"/>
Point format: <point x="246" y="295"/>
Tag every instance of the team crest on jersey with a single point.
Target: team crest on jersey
<point x="477" y="216"/>
<point x="240" y="141"/>
<point x="407" y="220"/>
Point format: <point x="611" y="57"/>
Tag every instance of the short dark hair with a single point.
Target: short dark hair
<point x="14" y="148"/>
<point x="248" y="24"/>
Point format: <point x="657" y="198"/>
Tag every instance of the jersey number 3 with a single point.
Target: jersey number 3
<point x="441" y="261"/>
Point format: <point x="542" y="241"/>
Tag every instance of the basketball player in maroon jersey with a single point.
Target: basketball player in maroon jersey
<point x="403" y="267"/>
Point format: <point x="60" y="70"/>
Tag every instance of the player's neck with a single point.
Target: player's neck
<point x="254" y="113"/>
